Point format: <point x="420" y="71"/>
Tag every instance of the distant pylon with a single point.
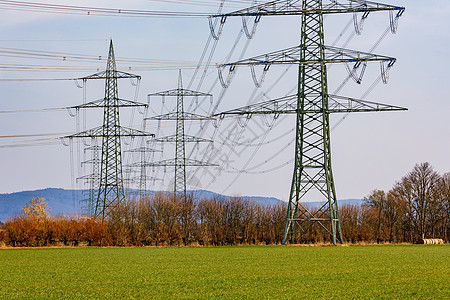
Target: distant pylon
<point x="93" y="179"/>
<point x="312" y="105"/>
<point x="180" y="162"/>
<point x="142" y="178"/>
<point x="111" y="189"/>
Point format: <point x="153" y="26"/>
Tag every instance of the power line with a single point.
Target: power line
<point x="50" y="40"/>
<point x="98" y="11"/>
<point x="234" y="3"/>
<point x="33" y="135"/>
<point x="39" y="142"/>
<point x="86" y="57"/>
<point x="33" y="79"/>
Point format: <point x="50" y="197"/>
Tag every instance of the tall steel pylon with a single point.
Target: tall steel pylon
<point x="313" y="104"/>
<point x="180" y="162"/>
<point x="110" y="191"/>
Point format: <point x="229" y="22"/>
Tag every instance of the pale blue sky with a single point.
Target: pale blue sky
<point x="369" y="150"/>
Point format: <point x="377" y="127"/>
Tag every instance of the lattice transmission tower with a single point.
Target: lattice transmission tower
<point x="92" y="179"/>
<point x="180" y="162"/>
<point x="143" y="178"/>
<point x="312" y="104"/>
<point x="110" y="191"/>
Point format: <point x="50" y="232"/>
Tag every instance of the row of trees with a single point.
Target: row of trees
<point x="416" y="207"/>
<point x="168" y="220"/>
<point x="159" y="221"/>
<point x="28" y="231"/>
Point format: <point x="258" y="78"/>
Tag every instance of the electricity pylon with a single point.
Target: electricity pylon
<point x="180" y="162"/>
<point x="312" y="104"/>
<point x="110" y="191"/>
<point x="92" y="179"/>
<point x="142" y="178"/>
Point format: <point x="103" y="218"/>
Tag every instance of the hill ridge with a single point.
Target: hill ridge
<point x="64" y="201"/>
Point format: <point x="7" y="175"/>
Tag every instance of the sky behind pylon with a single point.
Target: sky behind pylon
<point x="369" y="150"/>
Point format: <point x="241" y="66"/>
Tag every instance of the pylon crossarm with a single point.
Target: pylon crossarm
<point x="143" y="149"/>
<point x="184" y="116"/>
<point x="341" y="104"/>
<point x="147" y="178"/>
<point x="176" y="163"/>
<point x="93" y="148"/>
<point x="111" y="74"/>
<point x="88" y="177"/>
<point x="292" y="56"/>
<point x="186" y="139"/>
<point x="294" y="7"/>
<point x="98" y="133"/>
<point x="130" y="132"/>
<point x="288" y="105"/>
<point x="284" y="105"/>
<point x="341" y="55"/>
<point x="102" y="103"/>
<point x="90" y="161"/>
<point x="180" y="92"/>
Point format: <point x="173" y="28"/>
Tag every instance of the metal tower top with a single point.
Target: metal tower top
<point x="110" y="191"/>
<point x="299" y="7"/>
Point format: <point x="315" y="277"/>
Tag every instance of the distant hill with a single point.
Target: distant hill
<point x="202" y="194"/>
<point x="60" y="201"/>
<point x="65" y="202"/>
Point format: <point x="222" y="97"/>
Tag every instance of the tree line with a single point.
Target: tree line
<point x="416" y="207"/>
<point x="161" y="220"/>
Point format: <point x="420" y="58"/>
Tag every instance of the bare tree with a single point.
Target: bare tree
<point x="377" y="200"/>
<point x="37" y="208"/>
<point x="419" y="190"/>
<point x="443" y="207"/>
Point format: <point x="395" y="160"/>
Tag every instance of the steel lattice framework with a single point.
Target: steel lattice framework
<point x="92" y="179"/>
<point x="312" y="105"/>
<point x="110" y="192"/>
<point x="180" y="162"/>
<point x="142" y="178"/>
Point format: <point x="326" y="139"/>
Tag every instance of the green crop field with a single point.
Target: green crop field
<point x="241" y="272"/>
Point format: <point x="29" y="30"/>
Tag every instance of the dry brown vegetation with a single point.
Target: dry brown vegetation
<point x="28" y="231"/>
<point x="162" y="220"/>
<point x="417" y="207"/>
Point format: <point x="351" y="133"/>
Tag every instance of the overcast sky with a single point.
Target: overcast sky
<point x="369" y="150"/>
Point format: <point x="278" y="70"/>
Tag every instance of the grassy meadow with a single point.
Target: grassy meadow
<point x="240" y="272"/>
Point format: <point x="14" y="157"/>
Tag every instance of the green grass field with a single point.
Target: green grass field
<point x="242" y="272"/>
